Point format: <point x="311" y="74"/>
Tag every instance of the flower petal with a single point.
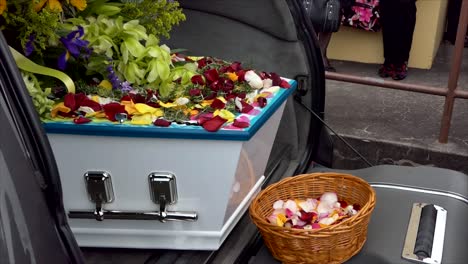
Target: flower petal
<point x="246" y="108"/>
<point x="81" y="120"/>
<point x="69" y="101"/>
<point x="218" y="104"/>
<point x="162" y="122"/>
<point x="214" y="124"/>
<point x="262" y="102"/>
<point x="144" y="119"/>
<point x="197" y="79"/>
<point x="241" y="124"/>
<point x="211" y="75"/>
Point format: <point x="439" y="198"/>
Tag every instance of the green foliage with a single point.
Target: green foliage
<point x="44" y="25"/>
<point x="134" y="55"/>
<point x="39" y="97"/>
<point x="157" y="16"/>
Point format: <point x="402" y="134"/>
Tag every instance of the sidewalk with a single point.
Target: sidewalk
<point x="397" y="127"/>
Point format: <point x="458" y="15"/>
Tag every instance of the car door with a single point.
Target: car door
<point x="33" y="226"/>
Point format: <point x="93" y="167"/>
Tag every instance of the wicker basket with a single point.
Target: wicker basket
<point x="332" y="244"/>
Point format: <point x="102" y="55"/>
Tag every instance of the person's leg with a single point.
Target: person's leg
<point x="408" y="17"/>
<point x="324" y="39"/>
<point x="398" y="19"/>
<point x="390" y="36"/>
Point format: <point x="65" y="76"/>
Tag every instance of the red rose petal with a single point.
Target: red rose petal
<point x="235" y="66"/>
<point x="228" y="85"/>
<point x="153" y="104"/>
<point x="356" y="207"/>
<point x="289" y="213"/>
<point x="306" y="217"/>
<point x="284" y="84"/>
<point x="138" y="98"/>
<point x="113" y="108"/>
<point x="202" y="118"/>
<point x="240" y="75"/>
<point x="214" y="124"/>
<point x="92" y="104"/>
<point x="201" y="63"/>
<point x="275" y="78"/>
<point x="126" y="98"/>
<point x="210" y="96"/>
<point x="81" y="120"/>
<point x="195" y="92"/>
<point x="240" y="124"/>
<point x="69" y="101"/>
<point x="343" y="204"/>
<point x="218" y="104"/>
<point x="246" y="107"/>
<point x="162" y="123"/>
<point x="211" y="75"/>
<point x="198" y="79"/>
<point x="262" y="101"/>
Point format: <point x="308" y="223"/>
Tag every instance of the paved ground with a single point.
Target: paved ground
<point x="398" y="127"/>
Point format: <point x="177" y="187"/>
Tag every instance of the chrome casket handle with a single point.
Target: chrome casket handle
<point x="163" y="191"/>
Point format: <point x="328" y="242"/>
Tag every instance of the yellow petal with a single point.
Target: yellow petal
<point x="105" y="84"/>
<point x="264" y="95"/>
<point x="281" y="219"/>
<point x="145" y="119"/>
<point x="232" y="76"/>
<point x="95" y="98"/>
<point x="39" y="5"/>
<point x="145" y="109"/>
<point x="194" y="112"/>
<point x="206" y="102"/>
<point x="60" y="107"/>
<point x="55" y="5"/>
<point x="101" y="114"/>
<point x="222" y="99"/>
<point x="158" y="113"/>
<point x="225" y="114"/>
<point x="129" y="107"/>
<point x="167" y="105"/>
<point x="2" y="6"/>
<point x="79" y="4"/>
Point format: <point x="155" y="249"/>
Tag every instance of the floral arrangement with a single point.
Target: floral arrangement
<point x="101" y="61"/>
<point x="312" y="213"/>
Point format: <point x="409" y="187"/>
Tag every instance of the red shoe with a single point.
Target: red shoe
<point x="386" y="70"/>
<point x="401" y="71"/>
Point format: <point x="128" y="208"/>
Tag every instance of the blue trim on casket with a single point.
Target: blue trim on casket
<point x="175" y="130"/>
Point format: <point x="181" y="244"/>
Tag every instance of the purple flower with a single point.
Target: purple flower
<point x="29" y="47"/>
<point x="113" y="78"/>
<point x="126" y="87"/>
<point x="74" y="45"/>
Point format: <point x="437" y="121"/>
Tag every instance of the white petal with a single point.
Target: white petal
<point x="329" y="198"/>
<point x="238" y="103"/>
<point x="253" y="79"/>
<point x="182" y="101"/>
<point x="86" y="109"/>
<point x="291" y="205"/>
<point x="267" y="83"/>
<point x="278" y="204"/>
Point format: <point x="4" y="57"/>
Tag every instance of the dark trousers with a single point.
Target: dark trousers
<point x="453" y="15"/>
<point x="398" y="18"/>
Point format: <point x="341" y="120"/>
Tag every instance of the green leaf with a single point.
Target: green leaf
<point x="154" y="51"/>
<point x="134" y="47"/>
<point x="153" y="71"/>
<point x="152" y="41"/>
<point x="163" y="69"/>
<point x="165" y="89"/>
<point x="124" y="52"/>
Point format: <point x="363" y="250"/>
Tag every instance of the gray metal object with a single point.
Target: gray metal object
<point x="414" y="235"/>
<point x="163" y="191"/>
<point x="163" y="187"/>
<point x="99" y="186"/>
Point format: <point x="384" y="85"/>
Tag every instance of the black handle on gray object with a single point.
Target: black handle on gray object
<point x="425" y="236"/>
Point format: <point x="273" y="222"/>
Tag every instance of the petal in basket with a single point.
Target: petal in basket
<point x="307" y="210"/>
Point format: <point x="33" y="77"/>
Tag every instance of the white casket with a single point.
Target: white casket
<point x="114" y="177"/>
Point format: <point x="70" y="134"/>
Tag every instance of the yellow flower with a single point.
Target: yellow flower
<point x="79" y="4"/>
<point x="105" y="84"/>
<point x="129" y="107"/>
<point x="2" y="6"/>
<point x="225" y="114"/>
<point x="145" y="119"/>
<point x="281" y="219"/>
<point x="60" y="107"/>
<point x="146" y="109"/>
<point x="53" y="5"/>
<point x="232" y="76"/>
<point x="167" y="105"/>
